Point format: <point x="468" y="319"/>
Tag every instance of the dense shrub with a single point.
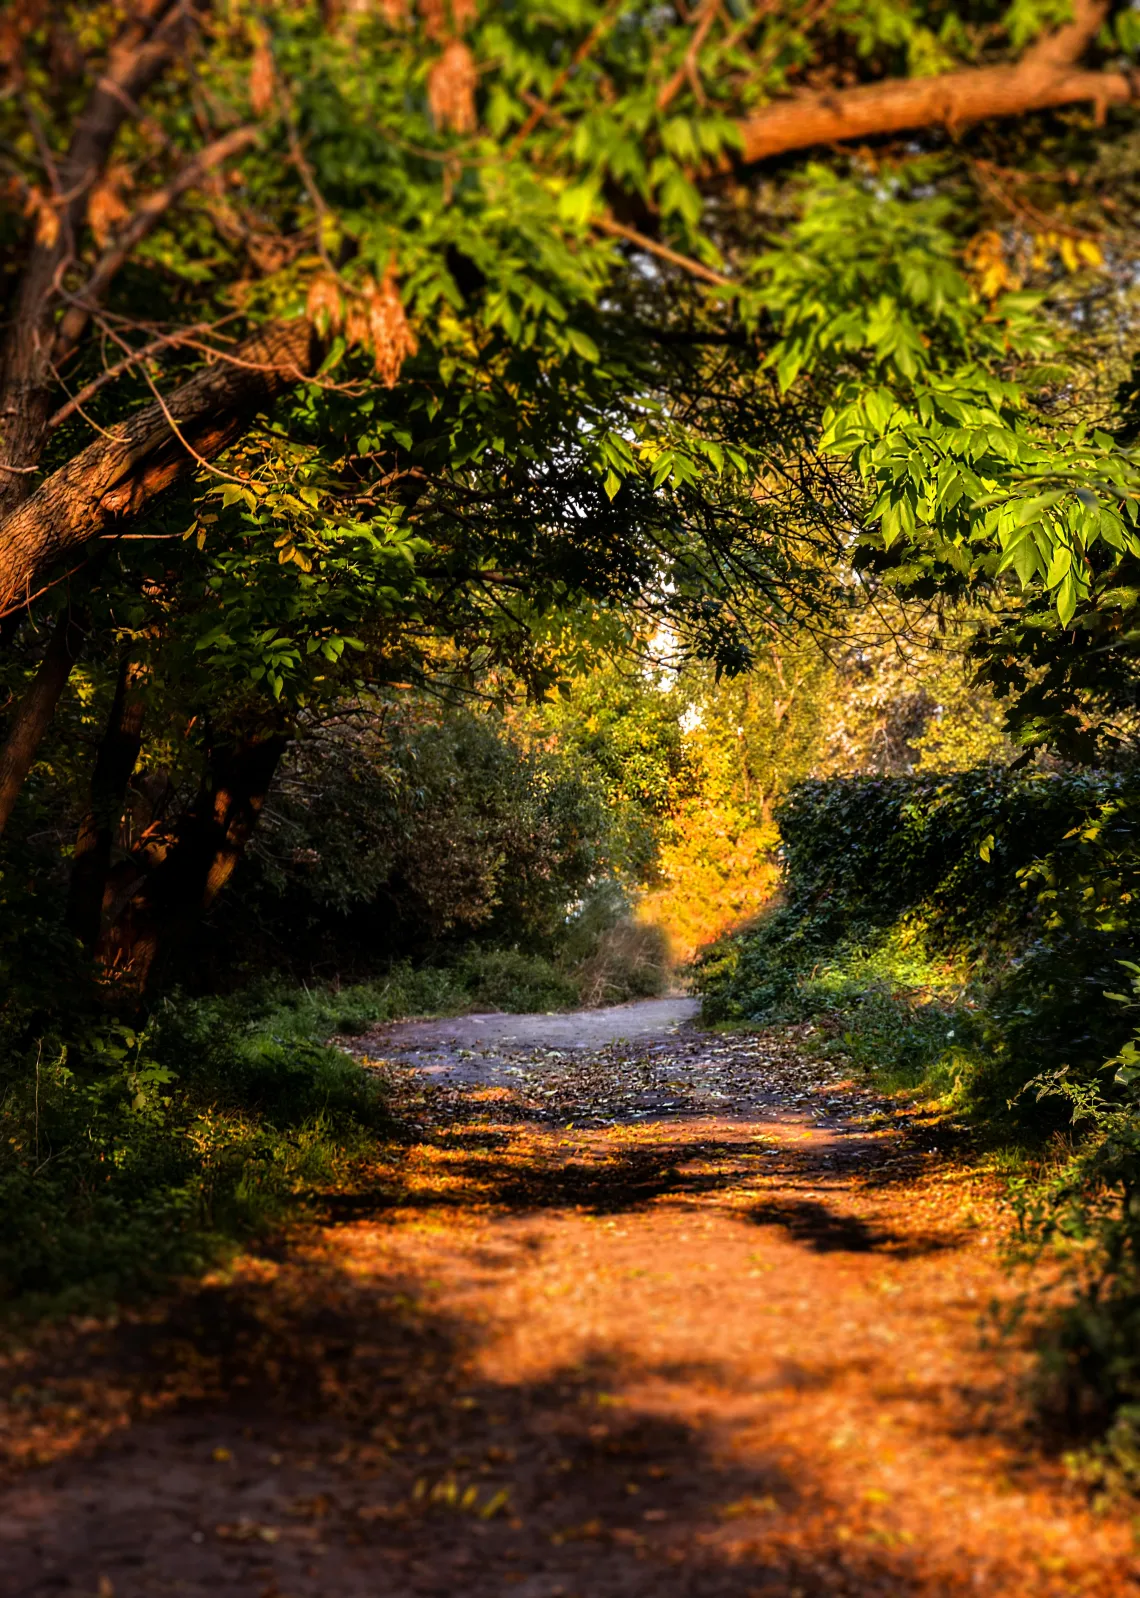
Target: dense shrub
<point x="128" y="1155"/>
<point x="407" y="835"/>
<point x="991" y="859"/>
<point x="1013" y="893"/>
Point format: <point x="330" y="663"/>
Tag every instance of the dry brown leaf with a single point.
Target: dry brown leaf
<point x="356" y="325"/>
<point x="434" y="14"/>
<point x="463" y="14"/>
<point x="451" y="89"/>
<point x="106" y="207"/>
<point x="262" y="79"/>
<point x="392" y="338"/>
<point x="325" y="305"/>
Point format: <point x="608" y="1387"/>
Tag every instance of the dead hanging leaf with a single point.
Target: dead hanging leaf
<point x="356" y="327"/>
<point x="106" y="207"/>
<point x="262" y="79"/>
<point x="371" y="318"/>
<point x="395" y="13"/>
<point x="434" y="14"/>
<point x="451" y="89"/>
<point x="38" y="205"/>
<point x="392" y="338"/>
<point x="325" y="305"/>
<point x="463" y="14"/>
<point x="991" y="271"/>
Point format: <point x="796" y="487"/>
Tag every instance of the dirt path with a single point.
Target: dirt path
<point x="662" y="1316"/>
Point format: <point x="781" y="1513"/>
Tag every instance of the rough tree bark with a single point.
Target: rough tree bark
<point x="1046" y="76"/>
<point x="120" y="474"/>
<point x="33" y="714"/>
<point x="207" y="845"/>
<point x="114" y="765"/>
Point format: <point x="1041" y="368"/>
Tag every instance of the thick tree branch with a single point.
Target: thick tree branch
<point x="119" y="475"/>
<point x="1048" y="75"/>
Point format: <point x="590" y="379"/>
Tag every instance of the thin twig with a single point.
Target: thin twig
<point x="168" y="341"/>
<point x="688" y="68"/>
<point x="606" y="224"/>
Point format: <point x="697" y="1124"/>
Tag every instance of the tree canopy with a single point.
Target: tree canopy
<point x="359" y="345"/>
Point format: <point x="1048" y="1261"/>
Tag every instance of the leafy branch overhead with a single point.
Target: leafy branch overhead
<point x="298" y="172"/>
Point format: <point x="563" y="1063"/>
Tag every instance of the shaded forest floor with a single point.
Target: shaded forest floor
<point x="680" y="1315"/>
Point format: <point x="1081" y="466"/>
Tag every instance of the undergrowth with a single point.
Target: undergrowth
<point x="901" y="1017"/>
<point x="132" y="1153"/>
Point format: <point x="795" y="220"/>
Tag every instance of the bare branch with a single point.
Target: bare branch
<point x="619" y="230"/>
<point x="1047" y="76"/>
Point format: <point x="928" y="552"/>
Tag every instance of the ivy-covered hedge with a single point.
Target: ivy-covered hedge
<point x="1027" y="885"/>
<point x="989" y="858"/>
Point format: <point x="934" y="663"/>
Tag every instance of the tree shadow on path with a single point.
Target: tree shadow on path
<point x="423" y="1398"/>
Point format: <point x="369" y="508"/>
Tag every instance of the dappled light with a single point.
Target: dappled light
<point x="755" y="1353"/>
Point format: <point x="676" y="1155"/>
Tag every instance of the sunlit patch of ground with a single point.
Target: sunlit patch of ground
<point x="711" y="1355"/>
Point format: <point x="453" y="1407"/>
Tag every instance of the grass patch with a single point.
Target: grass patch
<point x="902" y="1018"/>
<point x="129" y="1156"/>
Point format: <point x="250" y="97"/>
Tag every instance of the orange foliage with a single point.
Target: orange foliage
<point x="718" y="872"/>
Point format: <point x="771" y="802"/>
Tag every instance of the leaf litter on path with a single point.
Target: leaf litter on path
<point x="680" y="1316"/>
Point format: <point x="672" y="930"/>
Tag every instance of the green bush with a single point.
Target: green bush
<point x="128" y="1156"/>
<point x="990" y="905"/>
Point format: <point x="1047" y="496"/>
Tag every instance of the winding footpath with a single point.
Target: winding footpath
<point x="625" y="1309"/>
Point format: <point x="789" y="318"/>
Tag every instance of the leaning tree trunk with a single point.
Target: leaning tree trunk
<point x="112" y="482"/>
<point x="207" y="845"/>
<point x="114" y="766"/>
<point x="34" y="712"/>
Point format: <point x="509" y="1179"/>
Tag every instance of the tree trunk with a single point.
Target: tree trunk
<point x="34" y="713"/>
<point x="207" y="845"/>
<point x="114" y="765"/>
<point x="117" y="477"/>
